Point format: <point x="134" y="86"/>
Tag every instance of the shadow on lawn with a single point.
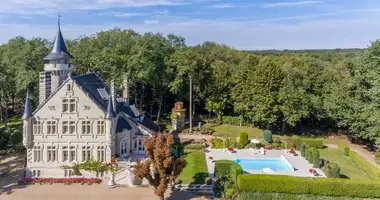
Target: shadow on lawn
<point x="199" y="178"/>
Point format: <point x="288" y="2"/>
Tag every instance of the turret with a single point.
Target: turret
<point x="110" y="124"/>
<point x="57" y="65"/>
<point x="27" y="122"/>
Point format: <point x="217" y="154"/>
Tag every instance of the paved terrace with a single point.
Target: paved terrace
<point x="298" y="161"/>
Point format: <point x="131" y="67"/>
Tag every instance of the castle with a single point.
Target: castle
<point x="78" y="118"/>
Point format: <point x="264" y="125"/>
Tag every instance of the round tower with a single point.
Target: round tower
<point x="27" y="123"/>
<point x="57" y="63"/>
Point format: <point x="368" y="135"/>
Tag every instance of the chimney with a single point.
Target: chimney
<point x="45" y="86"/>
<point x="126" y="90"/>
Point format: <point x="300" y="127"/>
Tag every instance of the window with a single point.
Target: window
<point x="68" y="173"/>
<point x="86" y="153"/>
<point x="68" y="127"/>
<point x="72" y="154"/>
<point x="51" y="127"/>
<point x="37" y="128"/>
<point x="123" y="147"/>
<point x="86" y="127"/>
<point x="101" y="153"/>
<point x="100" y="127"/>
<point x="68" y="105"/>
<point x="65" y="154"/>
<point x="37" y="154"/>
<point x="65" y="105"/>
<point x="51" y="154"/>
<point x="36" y="173"/>
<point x="141" y="146"/>
<point x="65" y="127"/>
<point x="68" y="87"/>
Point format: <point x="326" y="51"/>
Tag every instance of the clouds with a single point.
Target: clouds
<point x="241" y="24"/>
<point x="289" y="4"/>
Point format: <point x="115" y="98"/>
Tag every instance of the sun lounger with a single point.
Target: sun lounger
<point x="253" y="150"/>
<point x="262" y="151"/>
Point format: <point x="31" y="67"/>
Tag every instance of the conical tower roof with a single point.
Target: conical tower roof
<point x="110" y="112"/>
<point x="59" y="50"/>
<point x="28" y="107"/>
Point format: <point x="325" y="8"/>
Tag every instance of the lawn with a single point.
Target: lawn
<point x="196" y="169"/>
<point x="347" y="166"/>
<point x="232" y="131"/>
<point x="283" y="196"/>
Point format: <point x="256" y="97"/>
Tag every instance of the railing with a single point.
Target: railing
<point x="202" y="188"/>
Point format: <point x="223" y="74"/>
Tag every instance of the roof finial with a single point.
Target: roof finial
<point x="59" y="21"/>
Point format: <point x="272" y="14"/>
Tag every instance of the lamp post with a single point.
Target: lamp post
<point x="190" y="108"/>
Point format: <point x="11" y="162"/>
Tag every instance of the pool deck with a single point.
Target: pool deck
<point x="300" y="163"/>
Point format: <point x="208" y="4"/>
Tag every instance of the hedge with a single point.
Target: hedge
<point x="195" y="146"/>
<point x="227" y="168"/>
<point x="303" y="185"/>
<point x="317" y="143"/>
<point x="367" y="167"/>
<point x="344" y="148"/>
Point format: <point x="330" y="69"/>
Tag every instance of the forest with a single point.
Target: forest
<point x="281" y="90"/>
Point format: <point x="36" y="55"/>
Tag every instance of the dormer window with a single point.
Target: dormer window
<point x="68" y="87"/>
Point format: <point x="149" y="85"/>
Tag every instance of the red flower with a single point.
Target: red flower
<point x="66" y="181"/>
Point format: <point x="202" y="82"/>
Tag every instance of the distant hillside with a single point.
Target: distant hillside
<point x="348" y="53"/>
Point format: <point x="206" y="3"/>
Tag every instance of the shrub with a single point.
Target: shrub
<point x="364" y="165"/>
<point x="239" y="145"/>
<point x="316" y="158"/>
<point x="303" y="185"/>
<point x="243" y="138"/>
<point x="317" y="143"/>
<point x="268" y="136"/>
<point x="331" y="170"/>
<point x="234" y="120"/>
<point x="344" y="148"/>
<point x="335" y="170"/>
<point x="207" y="129"/>
<point x="228" y="143"/>
<point x="195" y="146"/>
<point x="217" y="143"/>
<point x="303" y="149"/>
<point x="227" y="168"/>
<point x="310" y="154"/>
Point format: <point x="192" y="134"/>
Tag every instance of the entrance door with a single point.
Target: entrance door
<point x="124" y="148"/>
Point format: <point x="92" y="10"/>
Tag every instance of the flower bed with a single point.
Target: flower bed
<point x="66" y="181"/>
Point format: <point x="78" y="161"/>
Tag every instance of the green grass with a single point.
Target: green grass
<point x="226" y="130"/>
<point x="196" y="169"/>
<point x="283" y="196"/>
<point x="13" y="123"/>
<point x="347" y="166"/>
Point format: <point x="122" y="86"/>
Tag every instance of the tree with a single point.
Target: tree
<point x="160" y="168"/>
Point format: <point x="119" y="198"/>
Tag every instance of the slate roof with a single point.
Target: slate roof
<point x="28" y="107"/>
<point x="91" y="82"/>
<point x="59" y="50"/>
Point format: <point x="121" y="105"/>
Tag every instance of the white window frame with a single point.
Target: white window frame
<point x="72" y="154"/>
<point x="65" y="154"/>
<point x="51" y="153"/>
<point x="51" y="127"/>
<point x="69" y="105"/>
<point x="37" y="154"/>
<point x="37" y="127"/>
<point x="86" y="153"/>
<point x="86" y="127"/>
<point x="100" y="127"/>
<point x="101" y="153"/>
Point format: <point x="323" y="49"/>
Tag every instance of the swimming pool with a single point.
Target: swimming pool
<point x="261" y="163"/>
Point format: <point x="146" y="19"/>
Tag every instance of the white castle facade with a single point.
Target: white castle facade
<point x="78" y="118"/>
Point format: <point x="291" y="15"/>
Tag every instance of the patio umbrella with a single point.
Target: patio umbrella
<point x="255" y="141"/>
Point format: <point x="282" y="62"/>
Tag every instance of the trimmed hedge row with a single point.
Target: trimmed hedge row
<point x="367" y="167"/>
<point x="302" y="185"/>
<point x="195" y="146"/>
<point x="343" y="147"/>
<point x="317" y="143"/>
<point x="227" y="168"/>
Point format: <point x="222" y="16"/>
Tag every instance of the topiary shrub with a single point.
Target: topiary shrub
<point x="227" y="168"/>
<point x="239" y="145"/>
<point x="344" y="148"/>
<point x="228" y="143"/>
<point x="335" y="169"/>
<point x="316" y="158"/>
<point x="309" y="154"/>
<point x="243" y="138"/>
<point x="303" y="150"/>
<point x="327" y="170"/>
<point x="268" y="136"/>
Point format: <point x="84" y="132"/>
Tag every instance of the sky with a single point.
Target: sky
<point x="241" y="24"/>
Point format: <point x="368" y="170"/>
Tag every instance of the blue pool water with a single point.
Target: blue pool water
<point x="260" y="163"/>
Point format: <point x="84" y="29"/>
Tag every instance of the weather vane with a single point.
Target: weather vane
<point x="59" y="21"/>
